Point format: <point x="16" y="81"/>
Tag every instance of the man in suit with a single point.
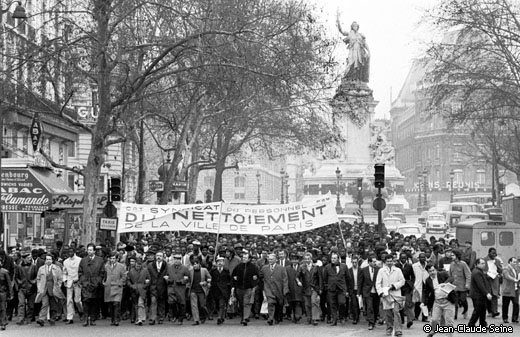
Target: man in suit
<point x="442" y="303"/>
<point x="493" y="266"/>
<point x="178" y="278"/>
<point x="276" y="288"/>
<point x="310" y="277"/>
<point x="220" y="288"/>
<point x="158" y="271"/>
<point x="91" y="272"/>
<point x="367" y="289"/>
<point x="407" y="289"/>
<point x="199" y="288"/>
<point x="510" y="290"/>
<point x="48" y="283"/>
<point x="479" y="291"/>
<point x="353" y="288"/>
<point x="335" y="279"/>
<point x="282" y="259"/>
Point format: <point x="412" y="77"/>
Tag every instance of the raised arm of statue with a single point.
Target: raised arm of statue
<point x="338" y="24"/>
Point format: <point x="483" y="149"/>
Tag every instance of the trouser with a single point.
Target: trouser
<point x="157" y="308"/>
<point x="492" y="306"/>
<point x="372" y="308"/>
<point x="26" y="305"/>
<point x="337" y="301"/>
<point x="462" y="300"/>
<point x="12" y="305"/>
<point x="393" y="318"/>
<point x="259" y="298"/>
<point x="296" y="309"/>
<point x="275" y="309"/>
<point x="49" y="307"/>
<point x="198" y="301"/>
<point x="73" y="296"/>
<point x="245" y="298"/>
<point x="443" y="309"/>
<point x="325" y="308"/>
<point x="177" y="302"/>
<point x="505" y="307"/>
<point x="221" y="304"/>
<point x="114" y="309"/>
<point x="354" y="306"/>
<point x="141" y="309"/>
<point x="3" y="309"/>
<point x="479" y="312"/>
<point x="91" y="308"/>
<point x="312" y="305"/>
<point x="408" y="309"/>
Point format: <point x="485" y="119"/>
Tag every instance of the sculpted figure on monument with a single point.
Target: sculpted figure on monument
<point x="358" y="60"/>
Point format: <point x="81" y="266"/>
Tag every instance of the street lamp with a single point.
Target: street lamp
<point x="419" y="183"/>
<point x="286" y="188"/>
<point x="282" y="176"/>
<point x="425" y="186"/>
<point x="338" y="203"/>
<point x="258" y="182"/>
<point x="452" y="176"/>
<point x="19" y="13"/>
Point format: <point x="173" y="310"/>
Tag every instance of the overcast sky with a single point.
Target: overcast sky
<point x="394" y="35"/>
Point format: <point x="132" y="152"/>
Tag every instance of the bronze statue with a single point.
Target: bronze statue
<point x="358" y="60"/>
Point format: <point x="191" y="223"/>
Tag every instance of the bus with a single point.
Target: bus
<point x="484" y="234"/>
<point x="465" y="207"/>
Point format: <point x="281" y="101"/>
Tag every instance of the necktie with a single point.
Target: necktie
<point x="220" y="270"/>
<point x="272" y="268"/>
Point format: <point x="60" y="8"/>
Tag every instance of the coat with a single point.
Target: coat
<point x="178" y="278"/>
<point x="295" y="290"/>
<point x="335" y="281"/>
<point x="479" y="287"/>
<point x="276" y="283"/>
<point x="41" y="282"/>
<point x="158" y="285"/>
<point x="387" y="278"/>
<point x="311" y="280"/>
<point x="353" y="281"/>
<point x="428" y="295"/>
<point x="220" y="284"/>
<point x="114" y="281"/>
<point x="136" y="280"/>
<point x="409" y="277"/>
<point x="91" y="273"/>
<point x="420" y="277"/>
<point x="204" y="277"/>
<point x="510" y="281"/>
<point x="6" y="286"/>
<point x="365" y="283"/>
<point x="493" y="283"/>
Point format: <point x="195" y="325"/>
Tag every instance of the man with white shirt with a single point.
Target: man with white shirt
<point x="389" y="282"/>
<point x="493" y="270"/>
<point x="70" y="279"/>
<point x="510" y="290"/>
<point x="421" y="274"/>
<point x="353" y="288"/>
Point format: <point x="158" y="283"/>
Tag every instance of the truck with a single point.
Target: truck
<point x="511" y="209"/>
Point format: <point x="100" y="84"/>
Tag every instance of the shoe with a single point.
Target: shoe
<point x="87" y="321"/>
<point x="202" y="320"/>
<point x="371" y="327"/>
<point x="140" y="323"/>
<point x="409" y="324"/>
<point x="151" y="323"/>
<point x="22" y="322"/>
<point x="398" y="333"/>
<point x="219" y="321"/>
<point x="160" y="321"/>
<point x="196" y="323"/>
<point x="506" y="321"/>
<point x="495" y="314"/>
<point x="515" y="321"/>
<point x="210" y="318"/>
<point x="92" y="323"/>
<point x="315" y="322"/>
<point x="40" y="322"/>
<point x="69" y="321"/>
<point x="116" y="324"/>
<point x="52" y="323"/>
<point x="389" y="332"/>
<point x="425" y="319"/>
<point x="2" y="327"/>
<point x="355" y="322"/>
<point x="270" y="322"/>
<point x="334" y="323"/>
<point x="112" y="323"/>
<point x="257" y="316"/>
<point x="381" y="322"/>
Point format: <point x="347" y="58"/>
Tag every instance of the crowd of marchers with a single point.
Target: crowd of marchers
<point x="330" y="275"/>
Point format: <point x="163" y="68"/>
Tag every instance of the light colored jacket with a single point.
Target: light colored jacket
<point x="510" y="286"/>
<point x="115" y="279"/>
<point x="420" y="277"/>
<point x="386" y="278"/>
<point x="461" y="274"/>
<point x="70" y="271"/>
<point x="41" y="282"/>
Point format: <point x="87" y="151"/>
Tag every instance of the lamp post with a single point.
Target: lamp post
<point x="286" y="188"/>
<point x="258" y="183"/>
<point x="452" y="176"/>
<point x="338" y="202"/>
<point x="425" y="187"/>
<point x="282" y="176"/>
<point x="419" y="183"/>
<point x="19" y="13"/>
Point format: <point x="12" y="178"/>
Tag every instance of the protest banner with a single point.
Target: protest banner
<point x="226" y="218"/>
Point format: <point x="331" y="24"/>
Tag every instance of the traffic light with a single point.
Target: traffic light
<point x="115" y="189"/>
<point x="359" y="184"/>
<point x="379" y="175"/>
<point x="501" y="188"/>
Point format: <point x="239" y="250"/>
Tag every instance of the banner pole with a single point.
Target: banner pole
<point x="342" y="237"/>
<point x="218" y="233"/>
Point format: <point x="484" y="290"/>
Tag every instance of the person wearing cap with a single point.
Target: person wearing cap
<point x="178" y="278"/>
<point x="158" y="271"/>
<point x="48" y="284"/>
<point x="25" y="279"/>
<point x="91" y="272"/>
<point x="114" y="281"/>
<point x="71" y="282"/>
<point x="138" y="280"/>
<point x="220" y="288"/>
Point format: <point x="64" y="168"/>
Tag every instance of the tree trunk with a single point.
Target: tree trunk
<point x="193" y="175"/>
<point x="142" y="167"/>
<point x="220" y="166"/>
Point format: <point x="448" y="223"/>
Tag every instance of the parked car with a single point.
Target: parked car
<point x="410" y="229"/>
<point x="391" y="224"/>
<point x="436" y="223"/>
<point x="399" y="215"/>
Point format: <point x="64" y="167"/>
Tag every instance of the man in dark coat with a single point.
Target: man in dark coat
<point x="220" y="288"/>
<point x="178" y="278"/>
<point x="407" y="289"/>
<point x="6" y="294"/>
<point x="493" y="267"/>
<point x="353" y="290"/>
<point x="91" y="273"/>
<point x="158" y="271"/>
<point x="276" y="288"/>
<point x="479" y="291"/>
<point x="295" y="296"/>
<point x="244" y="279"/>
<point x="366" y="286"/>
<point x="335" y="280"/>
<point x="310" y="277"/>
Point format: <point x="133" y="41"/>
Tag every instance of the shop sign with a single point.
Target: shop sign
<point x="35" y="132"/>
<point x="22" y="192"/>
<point x="108" y="224"/>
<point x="75" y="201"/>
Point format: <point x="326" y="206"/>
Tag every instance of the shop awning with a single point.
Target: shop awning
<point x="52" y="183"/>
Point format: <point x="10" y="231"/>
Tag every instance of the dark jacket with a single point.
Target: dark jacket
<point x="91" y="273"/>
<point x="25" y="277"/>
<point x="350" y="279"/>
<point x="365" y="284"/>
<point x="311" y="280"/>
<point x="220" y="283"/>
<point x="295" y="291"/>
<point x="409" y="277"/>
<point x="158" y="285"/>
<point x="428" y="295"/>
<point x="6" y="287"/>
<point x="479" y="287"/>
<point x="242" y="276"/>
<point x="335" y="281"/>
<point x="136" y="280"/>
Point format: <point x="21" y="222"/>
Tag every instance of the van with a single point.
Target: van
<point x="484" y="234"/>
<point x="399" y="215"/>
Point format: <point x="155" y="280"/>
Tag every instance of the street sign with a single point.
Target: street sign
<point x="379" y="204"/>
<point x="156" y="186"/>
<point x="35" y="132"/>
<point x="108" y="224"/>
<point x="179" y="186"/>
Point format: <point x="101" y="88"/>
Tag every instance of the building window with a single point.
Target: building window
<point x="101" y="185"/>
<point x="481" y="177"/>
<point x="209" y="181"/>
<point x="240" y="196"/>
<point x="240" y="182"/>
<point x="71" y="150"/>
<point x="71" y="180"/>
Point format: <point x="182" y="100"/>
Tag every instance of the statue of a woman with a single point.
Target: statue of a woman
<point x="358" y="61"/>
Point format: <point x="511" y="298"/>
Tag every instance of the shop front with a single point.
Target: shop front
<point x="26" y="193"/>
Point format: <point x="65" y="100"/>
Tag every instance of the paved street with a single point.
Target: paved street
<point x="230" y="328"/>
